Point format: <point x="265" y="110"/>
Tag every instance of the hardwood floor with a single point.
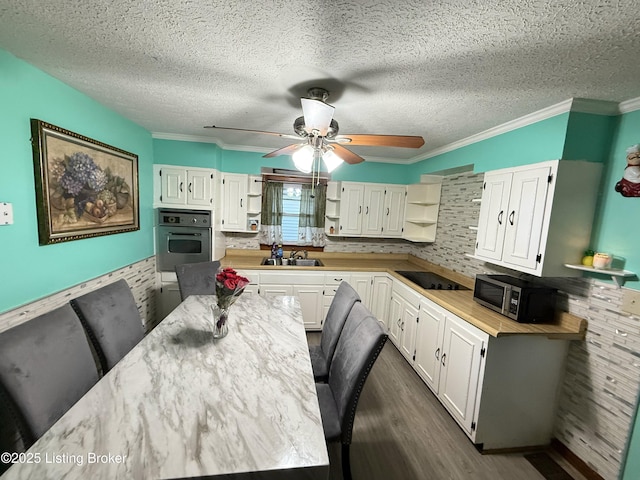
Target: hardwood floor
<point x="402" y="432"/>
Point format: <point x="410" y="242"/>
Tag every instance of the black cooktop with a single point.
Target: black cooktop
<point x="431" y="281"/>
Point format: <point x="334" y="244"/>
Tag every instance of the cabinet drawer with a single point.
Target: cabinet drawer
<point x="335" y="278"/>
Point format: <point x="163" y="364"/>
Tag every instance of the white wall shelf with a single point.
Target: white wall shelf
<point x="618" y="276"/>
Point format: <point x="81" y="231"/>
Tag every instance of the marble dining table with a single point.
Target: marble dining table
<point x="183" y="405"/>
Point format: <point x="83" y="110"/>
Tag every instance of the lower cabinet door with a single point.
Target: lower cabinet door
<point x="429" y="344"/>
<point x="460" y="369"/>
<point x="311" y="303"/>
<point x="380" y="295"/>
<point x="395" y="319"/>
<point x="408" y="328"/>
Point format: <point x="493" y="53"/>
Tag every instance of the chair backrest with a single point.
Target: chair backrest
<point x="358" y="348"/>
<point x="46" y="365"/>
<point x="111" y="318"/>
<point x="197" y="278"/>
<point x="339" y="309"/>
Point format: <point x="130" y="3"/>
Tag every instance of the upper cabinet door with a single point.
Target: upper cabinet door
<point x="393" y="214"/>
<point x="373" y="207"/>
<point x="525" y="217"/>
<point x="351" y="200"/>
<point x="234" y="202"/>
<point x="173" y="188"/>
<point x="493" y="213"/>
<point x="199" y="186"/>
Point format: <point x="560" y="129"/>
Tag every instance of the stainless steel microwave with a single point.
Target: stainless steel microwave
<point x="515" y="298"/>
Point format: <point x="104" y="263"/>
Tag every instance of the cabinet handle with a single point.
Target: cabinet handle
<point x="337" y="279"/>
<point x="402" y="326"/>
<point x="359" y="209"/>
<point x="500" y="217"/>
<point x="189" y="188"/>
<point x="181" y="183"/>
<point x="367" y="211"/>
<point x="240" y="203"/>
<point x="387" y="210"/>
<point x="444" y="356"/>
<point x="511" y="215"/>
<point x="438" y="354"/>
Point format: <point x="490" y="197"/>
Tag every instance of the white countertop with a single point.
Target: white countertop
<point x="183" y="405"/>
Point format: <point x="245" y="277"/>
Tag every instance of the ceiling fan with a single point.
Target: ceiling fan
<point x="317" y="135"/>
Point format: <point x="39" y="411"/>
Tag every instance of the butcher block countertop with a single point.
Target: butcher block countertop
<point x="458" y="302"/>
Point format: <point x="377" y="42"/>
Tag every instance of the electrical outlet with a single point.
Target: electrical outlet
<point x="6" y="213"/>
<point x="631" y="301"/>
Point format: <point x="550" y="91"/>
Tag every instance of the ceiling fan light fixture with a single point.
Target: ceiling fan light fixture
<point x="331" y="160"/>
<point x="303" y="158"/>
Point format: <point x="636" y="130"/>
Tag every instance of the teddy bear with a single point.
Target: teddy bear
<point x="629" y="186"/>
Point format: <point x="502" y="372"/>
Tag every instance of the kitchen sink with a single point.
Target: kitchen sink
<point x="296" y="262"/>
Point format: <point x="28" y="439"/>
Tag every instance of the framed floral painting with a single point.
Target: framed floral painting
<point x="84" y="188"/>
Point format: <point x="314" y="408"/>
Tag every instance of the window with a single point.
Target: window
<point x="291" y="194"/>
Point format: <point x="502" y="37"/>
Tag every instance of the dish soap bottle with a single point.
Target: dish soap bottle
<point x="274" y="250"/>
<point x="280" y="253"/>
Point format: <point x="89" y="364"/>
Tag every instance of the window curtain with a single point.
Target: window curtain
<point x="312" y="210"/>
<point x="271" y="219"/>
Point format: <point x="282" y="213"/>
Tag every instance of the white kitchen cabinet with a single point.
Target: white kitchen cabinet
<point x="362" y="283"/>
<point x="184" y="187"/>
<point x="429" y="339"/>
<point x="351" y="200"/>
<point x="332" y="281"/>
<point x="462" y="350"/>
<point x="393" y="211"/>
<point x="365" y="209"/>
<point x="373" y="209"/>
<point x="403" y="317"/>
<point x="421" y="209"/>
<point x="380" y="297"/>
<point x="395" y="319"/>
<point x="241" y="202"/>
<point x="501" y="390"/>
<point x="536" y="218"/>
<point x="308" y="287"/>
<point x="311" y="304"/>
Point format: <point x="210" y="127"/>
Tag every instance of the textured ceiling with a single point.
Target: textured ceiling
<point x="441" y="69"/>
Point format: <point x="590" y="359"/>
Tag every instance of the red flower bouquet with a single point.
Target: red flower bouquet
<point x="229" y="286"/>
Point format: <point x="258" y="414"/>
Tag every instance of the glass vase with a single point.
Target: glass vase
<point x="220" y="317"/>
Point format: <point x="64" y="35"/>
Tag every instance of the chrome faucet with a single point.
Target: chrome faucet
<point x="297" y="254"/>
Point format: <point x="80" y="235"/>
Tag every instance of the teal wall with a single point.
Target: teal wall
<point x="543" y="140"/>
<point x="30" y="271"/>
<point x="193" y="154"/>
<point x="589" y="137"/>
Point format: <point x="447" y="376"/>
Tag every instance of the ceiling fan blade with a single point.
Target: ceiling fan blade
<point x="288" y="150"/>
<point x="317" y="115"/>
<point x="281" y="135"/>
<point x="406" y="141"/>
<point x="347" y="155"/>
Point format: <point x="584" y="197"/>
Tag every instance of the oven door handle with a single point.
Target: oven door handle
<point x="181" y="234"/>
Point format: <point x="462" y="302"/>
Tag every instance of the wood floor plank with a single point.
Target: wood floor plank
<point x="402" y="432"/>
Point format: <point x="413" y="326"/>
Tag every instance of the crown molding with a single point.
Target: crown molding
<point x="581" y="105"/>
<point x="630" y="105"/>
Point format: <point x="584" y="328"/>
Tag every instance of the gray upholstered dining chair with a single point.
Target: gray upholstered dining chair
<point x="358" y="348"/>
<point x="339" y="309"/>
<point x="197" y="278"/>
<point x="46" y="365"/>
<point x="111" y="318"/>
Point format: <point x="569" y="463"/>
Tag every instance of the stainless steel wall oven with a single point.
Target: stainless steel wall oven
<point x="182" y="236"/>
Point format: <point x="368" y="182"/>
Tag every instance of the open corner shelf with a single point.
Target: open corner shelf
<point x="618" y="276"/>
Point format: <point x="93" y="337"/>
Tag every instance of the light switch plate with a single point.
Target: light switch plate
<point x="631" y="301"/>
<point x="6" y="213"/>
